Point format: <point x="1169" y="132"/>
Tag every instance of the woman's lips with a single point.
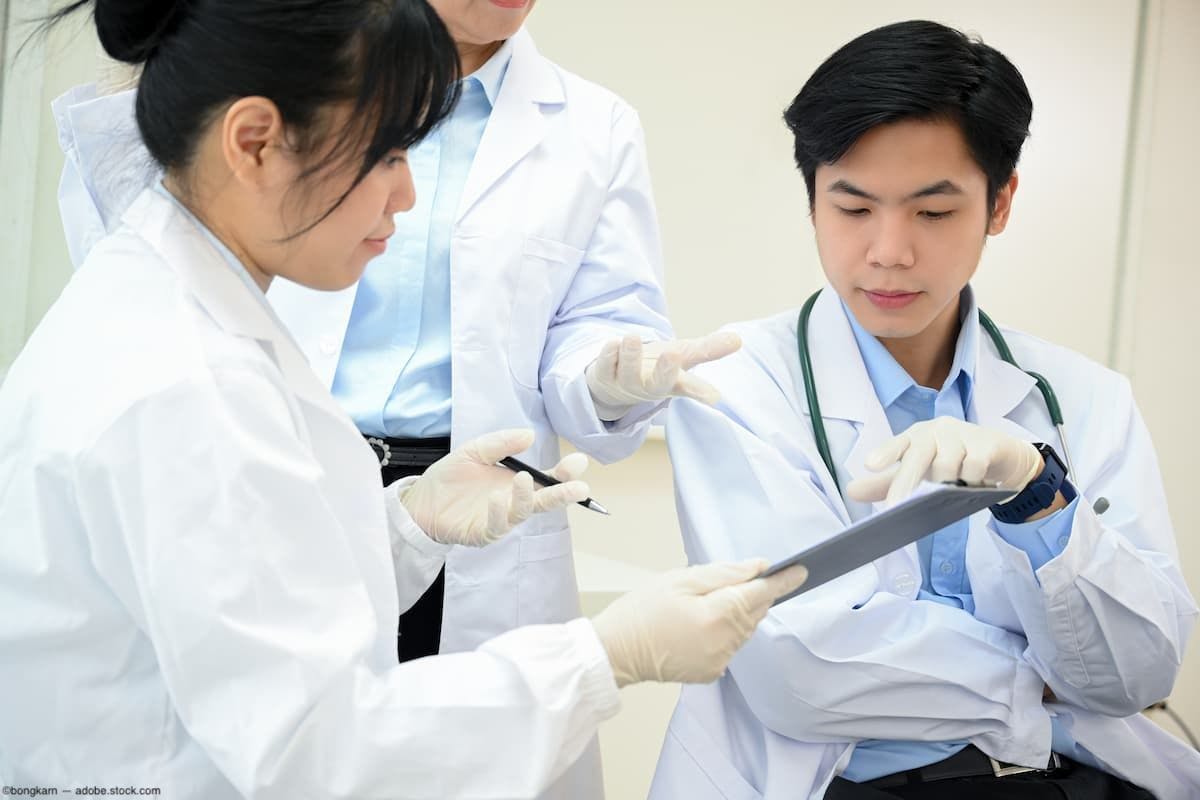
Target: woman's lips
<point x="378" y="245"/>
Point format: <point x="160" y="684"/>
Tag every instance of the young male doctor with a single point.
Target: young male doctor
<point x="527" y="278"/>
<point x="1004" y="656"/>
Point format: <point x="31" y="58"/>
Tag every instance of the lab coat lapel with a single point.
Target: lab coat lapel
<point x="844" y="388"/>
<point x="222" y="294"/>
<point x="999" y="388"/>
<point x="517" y="122"/>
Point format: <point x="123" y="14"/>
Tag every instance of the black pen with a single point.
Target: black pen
<point x="543" y="479"/>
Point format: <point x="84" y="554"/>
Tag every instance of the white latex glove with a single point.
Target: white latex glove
<point x="464" y="498"/>
<point x="946" y="449"/>
<point x="687" y="625"/>
<point x="629" y="372"/>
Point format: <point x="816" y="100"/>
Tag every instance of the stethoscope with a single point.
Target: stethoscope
<point x="993" y="332"/>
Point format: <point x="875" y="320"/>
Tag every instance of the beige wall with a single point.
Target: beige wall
<point x="1102" y="224"/>
<point x="1158" y="344"/>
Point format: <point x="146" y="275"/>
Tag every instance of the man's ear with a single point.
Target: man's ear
<point x="252" y="140"/>
<point x="1003" y="206"/>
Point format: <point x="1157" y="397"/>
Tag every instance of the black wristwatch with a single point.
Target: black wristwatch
<point x="1041" y="491"/>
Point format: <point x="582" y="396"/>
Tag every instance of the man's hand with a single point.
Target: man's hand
<point x="946" y="449"/>
<point x="629" y="372"/>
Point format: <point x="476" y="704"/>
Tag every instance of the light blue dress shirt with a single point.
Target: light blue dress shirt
<point x="393" y="377"/>
<point x="943" y="555"/>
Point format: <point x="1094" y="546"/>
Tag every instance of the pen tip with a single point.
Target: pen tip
<point x="594" y="506"/>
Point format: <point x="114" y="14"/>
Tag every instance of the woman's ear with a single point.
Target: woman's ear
<point x="252" y="141"/>
<point x="1003" y="206"/>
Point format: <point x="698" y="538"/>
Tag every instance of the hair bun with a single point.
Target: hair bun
<point x="131" y="30"/>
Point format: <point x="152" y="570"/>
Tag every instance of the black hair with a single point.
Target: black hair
<point x="913" y="70"/>
<point x="391" y="61"/>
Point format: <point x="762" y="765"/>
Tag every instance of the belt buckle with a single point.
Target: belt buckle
<point x="382" y="450"/>
<point x="1000" y="770"/>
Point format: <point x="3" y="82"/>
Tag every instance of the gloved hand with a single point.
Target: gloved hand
<point x="629" y="372"/>
<point x="946" y="449"/>
<point x="464" y="498"/>
<point x="687" y="625"/>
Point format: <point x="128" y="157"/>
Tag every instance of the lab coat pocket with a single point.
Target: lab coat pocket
<point x="546" y="587"/>
<point x="547" y="269"/>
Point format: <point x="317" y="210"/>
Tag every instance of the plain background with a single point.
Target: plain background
<point x="1100" y="254"/>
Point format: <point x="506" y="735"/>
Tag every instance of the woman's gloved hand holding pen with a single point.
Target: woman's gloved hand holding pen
<point x="465" y="498"/>
<point x="629" y="372"/>
<point x="688" y="623"/>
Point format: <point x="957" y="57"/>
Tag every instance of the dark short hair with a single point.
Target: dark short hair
<point x="391" y="62"/>
<point x="913" y="70"/>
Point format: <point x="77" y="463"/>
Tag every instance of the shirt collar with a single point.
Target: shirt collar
<point x="889" y="378"/>
<point x="231" y="260"/>
<point x="491" y="75"/>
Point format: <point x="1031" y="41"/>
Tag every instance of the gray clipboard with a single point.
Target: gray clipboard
<point x="882" y="533"/>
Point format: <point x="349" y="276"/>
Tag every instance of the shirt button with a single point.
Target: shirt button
<point x="903" y="583"/>
<point x="947" y="568"/>
<point x="328" y="345"/>
<point x="1063" y="540"/>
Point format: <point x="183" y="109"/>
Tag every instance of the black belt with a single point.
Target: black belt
<point x="408" y="452"/>
<point x="970" y="762"/>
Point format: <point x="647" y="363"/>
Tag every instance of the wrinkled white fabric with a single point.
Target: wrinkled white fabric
<point x="197" y="574"/>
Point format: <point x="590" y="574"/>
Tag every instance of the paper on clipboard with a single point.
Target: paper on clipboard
<point x="880" y="534"/>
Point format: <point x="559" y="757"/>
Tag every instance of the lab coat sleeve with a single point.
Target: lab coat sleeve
<point x="417" y="558"/>
<point x="853" y="659"/>
<point x="1043" y="539"/>
<point x="1109" y="617"/>
<point x="268" y="642"/>
<point x="617" y="290"/>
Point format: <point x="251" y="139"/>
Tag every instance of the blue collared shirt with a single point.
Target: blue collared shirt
<point x="393" y="377"/>
<point x="943" y="555"/>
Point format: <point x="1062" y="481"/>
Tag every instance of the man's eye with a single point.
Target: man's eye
<point x="854" y="212"/>
<point x="935" y="215"/>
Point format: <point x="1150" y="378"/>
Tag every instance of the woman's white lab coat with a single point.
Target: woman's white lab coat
<point x="1104" y="624"/>
<point x="554" y="252"/>
<point x="199" y="577"/>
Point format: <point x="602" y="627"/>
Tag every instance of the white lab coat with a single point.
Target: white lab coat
<point x="1104" y="624"/>
<point x="554" y="252"/>
<point x="197" y="574"/>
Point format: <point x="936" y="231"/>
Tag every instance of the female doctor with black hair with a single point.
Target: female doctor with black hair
<point x="527" y="277"/>
<point x="198" y="570"/>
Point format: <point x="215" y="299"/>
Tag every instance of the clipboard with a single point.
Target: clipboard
<point x="882" y="533"/>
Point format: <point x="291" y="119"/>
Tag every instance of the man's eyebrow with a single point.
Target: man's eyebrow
<point x="845" y="187"/>
<point x="941" y="187"/>
<point x="944" y="187"/>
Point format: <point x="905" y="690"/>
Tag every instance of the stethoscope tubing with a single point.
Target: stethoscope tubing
<point x="993" y="332"/>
